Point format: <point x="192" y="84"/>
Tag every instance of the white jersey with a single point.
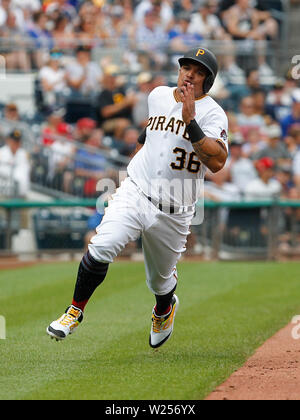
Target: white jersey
<point x="167" y="168"/>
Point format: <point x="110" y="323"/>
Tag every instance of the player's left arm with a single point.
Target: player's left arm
<point x="211" y="151"/>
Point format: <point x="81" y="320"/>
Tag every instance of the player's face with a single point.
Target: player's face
<point x="194" y="74"/>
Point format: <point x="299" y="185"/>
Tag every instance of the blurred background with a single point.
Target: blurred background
<point x="75" y="76"/>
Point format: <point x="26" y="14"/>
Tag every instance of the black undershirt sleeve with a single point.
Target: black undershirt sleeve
<point x="142" y="137"/>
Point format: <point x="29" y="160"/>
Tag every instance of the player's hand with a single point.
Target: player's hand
<point x="188" y="99"/>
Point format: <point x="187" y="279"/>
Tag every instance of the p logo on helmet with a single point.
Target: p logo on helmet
<point x="200" y="52"/>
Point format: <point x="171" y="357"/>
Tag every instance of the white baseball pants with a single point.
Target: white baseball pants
<point x="128" y="216"/>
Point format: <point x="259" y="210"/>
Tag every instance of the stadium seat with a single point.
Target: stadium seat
<point x="78" y="108"/>
<point x="244" y="229"/>
<point x="55" y="230"/>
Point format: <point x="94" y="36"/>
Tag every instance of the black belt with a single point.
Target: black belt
<point x="165" y="208"/>
<point x="170" y="209"/>
<point x="159" y="206"/>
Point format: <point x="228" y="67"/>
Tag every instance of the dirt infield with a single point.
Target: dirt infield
<point x="7" y="263"/>
<point x="11" y="263"/>
<point x="272" y="373"/>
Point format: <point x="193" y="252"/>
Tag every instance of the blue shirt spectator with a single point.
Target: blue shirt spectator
<point x="150" y="35"/>
<point x="89" y="160"/>
<point x="90" y="165"/>
<point x="179" y="36"/>
<point x="38" y="31"/>
<point x="288" y="122"/>
<point x="294" y="117"/>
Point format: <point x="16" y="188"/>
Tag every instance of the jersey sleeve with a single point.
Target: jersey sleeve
<point x="215" y="125"/>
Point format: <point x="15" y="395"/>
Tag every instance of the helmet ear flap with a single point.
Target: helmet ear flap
<point x="208" y="82"/>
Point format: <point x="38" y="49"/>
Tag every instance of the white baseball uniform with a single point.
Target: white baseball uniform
<point x="168" y="171"/>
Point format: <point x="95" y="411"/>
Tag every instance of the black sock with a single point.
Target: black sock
<point x="91" y="274"/>
<point x="163" y="303"/>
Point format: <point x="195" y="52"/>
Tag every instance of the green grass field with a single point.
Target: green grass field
<point x="226" y="311"/>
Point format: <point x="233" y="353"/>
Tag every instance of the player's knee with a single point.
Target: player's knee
<point x="106" y="246"/>
<point x="101" y="253"/>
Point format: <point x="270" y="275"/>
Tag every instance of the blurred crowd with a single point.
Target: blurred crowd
<point x="90" y="109"/>
<point x="264" y="159"/>
<point x="141" y="29"/>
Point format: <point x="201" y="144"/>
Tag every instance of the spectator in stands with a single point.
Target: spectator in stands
<point x="115" y="104"/>
<point x="39" y="31"/>
<point x="61" y="155"/>
<point x="90" y="165"/>
<point x="121" y="27"/>
<point x="12" y="119"/>
<point x="259" y="100"/>
<point x="205" y="22"/>
<point x="233" y="127"/>
<point x="128" y="145"/>
<point x="8" y="6"/>
<point x="140" y="109"/>
<point x="294" y="117"/>
<point x="15" y="164"/>
<point x="248" y="117"/>
<point x="41" y="37"/>
<point x="28" y="6"/>
<point x="83" y="75"/>
<point x="11" y="112"/>
<point x="219" y="92"/>
<point x="291" y="82"/>
<point x="218" y="187"/>
<point x="241" y="169"/>
<point x="63" y="34"/>
<point x="234" y="79"/>
<point x="87" y="9"/>
<point x="53" y="78"/>
<point x="61" y="7"/>
<point x="152" y="38"/>
<point x="284" y="176"/>
<point x="90" y="33"/>
<point x="265" y="187"/>
<point x="14" y="44"/>
<point x="245" y="22"/>
<point x="50" y="129"/>
<point x="254" y="142"/>
<point x="84" y="129"/>
<point x="292" y="140"/>
<point x="275" y="149"/>
<point x="186" y="6"/>
<point x="278" y="101"/>
<point x="253" y="81"/>
<point x="161" y="8"/>
<point x="181" y="36"/>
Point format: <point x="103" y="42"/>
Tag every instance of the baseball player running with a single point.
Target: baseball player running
<point x="186" y="133"/>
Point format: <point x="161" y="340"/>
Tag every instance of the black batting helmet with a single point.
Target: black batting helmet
<point x="207" y="59"/>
